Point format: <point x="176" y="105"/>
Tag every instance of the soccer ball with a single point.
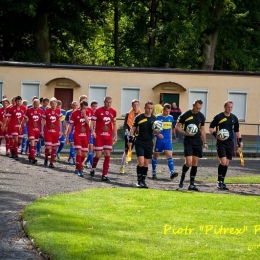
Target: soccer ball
<point x="192" y="129"/>
<point x="157" y="126"/>
<point x="223" y="134"/>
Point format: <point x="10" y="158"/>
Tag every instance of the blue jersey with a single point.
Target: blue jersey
<point x="43" y="108"/>
<point x="62" y="137"/>
<point x="68" y="115"/>
<point x="168" y="124"/>
<point x="63" y="112"/>
<point x="67" y="119"/>
<point x="164" y="144"/>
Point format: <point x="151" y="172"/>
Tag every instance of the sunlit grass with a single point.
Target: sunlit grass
<point x="144" y="224"/>
<point x="246" y="179"/>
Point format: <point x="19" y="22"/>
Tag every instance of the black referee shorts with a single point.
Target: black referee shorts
<point x="225" y="149"/>
<point x="193" y="146"/>
<point x="144" y="148"/>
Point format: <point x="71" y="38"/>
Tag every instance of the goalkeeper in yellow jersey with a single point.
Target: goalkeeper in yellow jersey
<point x="128" y="122"/>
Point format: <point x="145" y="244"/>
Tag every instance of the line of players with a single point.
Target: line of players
<point x="138" y="131"/>
<point x="80" y="125"/>
<point x="53" y="125"/>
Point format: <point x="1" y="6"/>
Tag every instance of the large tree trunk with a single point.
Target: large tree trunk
<point x="116" y="32"/>
<point x="209" y="51"/>
<point x="152" y="24"/>
<point x="41" y="35"/>
<point x="210" y="43"/>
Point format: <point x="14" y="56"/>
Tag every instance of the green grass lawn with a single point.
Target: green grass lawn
<point x="238" y="179"/>
<point x="250" y="179"/>
<point x="121" y="223"/>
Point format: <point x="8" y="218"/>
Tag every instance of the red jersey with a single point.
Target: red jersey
<point x="2" y="114"/>
<point x="52" y="118"/>
<point x="16" y="113"/>
<point x="81" y="128"/>
<point x="89" y="113"/>
<point x="104" y="121"/>
<point x="34" y="117"/>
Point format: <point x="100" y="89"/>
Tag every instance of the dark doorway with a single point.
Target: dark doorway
<point x="65" y="95"/>
<point x="170" y="98"/>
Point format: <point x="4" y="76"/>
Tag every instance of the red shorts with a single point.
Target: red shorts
<point x="15" y="131"/>
<point x="33" y="134"/>
<point x="2" y="133"/>
<point x="9" y="132"/>
<point x="51" y="139"/>
<point x="101" y="143"/>
<point x="81" y="142"/>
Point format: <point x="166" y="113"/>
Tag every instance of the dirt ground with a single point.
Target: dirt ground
<point x="21" y="183"/>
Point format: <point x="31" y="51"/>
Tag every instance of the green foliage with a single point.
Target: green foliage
<point x="151" y="33"/>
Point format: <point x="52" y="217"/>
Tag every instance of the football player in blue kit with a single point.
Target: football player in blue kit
<point x="72" y="154"/>
<point x="62" y="138"/>
<point x="163" y="141"/>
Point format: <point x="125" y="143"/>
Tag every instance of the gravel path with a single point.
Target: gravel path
<point x="21" y="183"/>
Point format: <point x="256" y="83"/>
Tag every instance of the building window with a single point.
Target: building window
<point x="239" y="99"/>
<point x="199" y="94"/>
<point x="1" y="88"/>
<point x="30" y="89"/>
<point x="97" y="92"/>
<point x="127" y="95"/>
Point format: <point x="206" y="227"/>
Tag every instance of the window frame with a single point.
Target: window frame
<point x="234" y="91"/>
<point x="97" y="86"/>
<point x="128" y="87"/>
<point x="205" y="106"/>
<point x="30" y="82"/>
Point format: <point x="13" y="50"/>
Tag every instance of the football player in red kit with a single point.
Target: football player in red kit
<point x="3" y="132"/>
<point x="8" y="130"/>
<point x="105" y="135"/>
<point x="14" y="120"/>
<point x="51" y="126"/>
<point x="33" y="116"/>
<point x="80" y="120"/>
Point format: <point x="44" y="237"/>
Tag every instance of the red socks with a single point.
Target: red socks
<point x="106" y="165"/>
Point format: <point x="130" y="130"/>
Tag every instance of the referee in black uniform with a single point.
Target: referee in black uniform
<point x="142" y="127"/>
<point x="192" y="143"/>
<point x="225" y="120"/>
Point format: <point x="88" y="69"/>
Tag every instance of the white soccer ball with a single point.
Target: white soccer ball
<point x="157" y="126"/>
<point x="192" y="129"/>
<point x="223" y="134"/>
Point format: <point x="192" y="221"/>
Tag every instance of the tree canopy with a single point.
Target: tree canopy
<point x="188" y="34"/>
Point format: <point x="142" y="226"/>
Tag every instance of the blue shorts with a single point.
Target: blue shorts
<point x="62" y="139"/>
<point x="161" y="145"/>
<point x="71" y="138"/>
<point x="25" y="130"/>
<point x="91" y="139"/>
